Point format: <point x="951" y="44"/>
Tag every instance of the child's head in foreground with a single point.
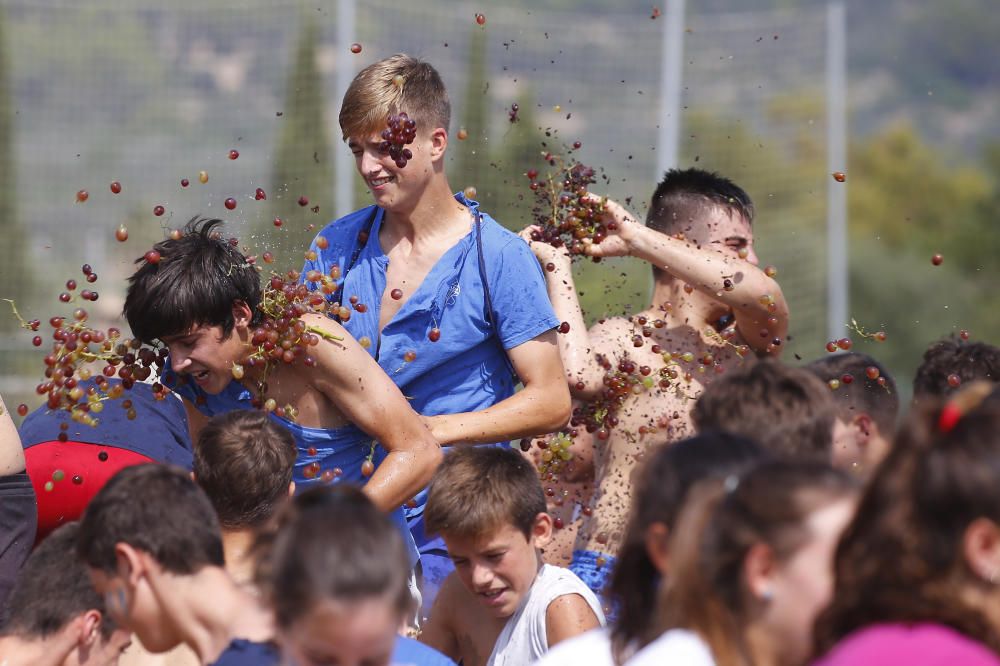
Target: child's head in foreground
<point x="244" y="461"/>
<point x="53" y="603"/>
<point x="334" y="569"/>
<point x="786" y="410"/>
<point x="147" y="529"/>
<point x="488" y="505"/>
<point x="200" y="299"/>
<point x="951" y="362"/>
<point x="397" y="84"/>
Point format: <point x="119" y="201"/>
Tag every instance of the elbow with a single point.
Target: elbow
<point x="558" y="409"/>
<point x="430" y="457"/>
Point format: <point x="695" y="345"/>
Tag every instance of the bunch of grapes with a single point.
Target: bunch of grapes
<point x="565" y="212"/>
<point x="402" y="130"/>
<point x="555" y="454"/>
<point x="80" y="353"/>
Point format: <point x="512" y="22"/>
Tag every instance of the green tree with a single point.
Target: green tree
<point x="302" y="159"/>
<point x="14" y="273"/>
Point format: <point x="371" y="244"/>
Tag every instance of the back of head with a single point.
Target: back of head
<point x="951" y="362"/>
<point x="662" y="486"/>
<point x="787" y="410"/>
<point x="720" y="523"/>
<point x="157" y="509"/>
<point x="196" y="281"/>
<point x="870" y="390"/>
<point x="684" y="195"/>
<point x="331" y="543"/>
<point x="902" y="558"/>
<point x="244" y="460"/>
<point x="52" y="588"/>
<point x="479" y="489"/>
<point x="399" y="83"/>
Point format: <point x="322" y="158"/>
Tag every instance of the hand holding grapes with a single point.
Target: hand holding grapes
<point x="622" y="230"/>
<point x="549" y="256"/>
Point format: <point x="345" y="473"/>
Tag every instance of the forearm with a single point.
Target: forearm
<point x="402" y="474"/>
<point x="11" y="452"/>
<point x="532" y="411"/>
<point x="756" y="299"/>
<point x="575" y="347"/>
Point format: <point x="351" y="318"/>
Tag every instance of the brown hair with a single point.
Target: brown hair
<point x="331" y="542"/>
<point x="243" y="461"/>
<point x="900" y="559"/>
<point x="721" y="521"/>
<point x="862" y="395"/>
<point x="968" y="360"/>
<point x="479" y="489"/>
<point x="787" y="410"/>
<point x="377" y="92"/>
<point x="662" y="486"/>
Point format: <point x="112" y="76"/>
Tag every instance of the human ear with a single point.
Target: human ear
<point x="90" y="628"/>
<point x="864" y="425"/>
<point x="291" y="489"/>
<point x="981" y="549"/>
<point x="128" y="564"/>
<point x="242" y="314"/>
<point x="541" y="530"/>
<point x="439" y="143"/>
<point x="656" y="546"/>
<point x="758" y="571"/>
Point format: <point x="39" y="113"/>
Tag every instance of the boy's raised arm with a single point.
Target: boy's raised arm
<point x="11" y="452"/>
<point x="734" y="282"/>
<point x="366" y="396"/>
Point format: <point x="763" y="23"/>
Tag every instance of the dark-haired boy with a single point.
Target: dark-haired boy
<point x="54" y="616"/>
<point x="711" y="306"/>
<point x="455" y="303"/>
<point x="867" y="406"/>
<point x="243" y="461"/>
<point x="502" y="605"/>
<point x="202" y="299"/>
<point x="787" y="410"/>
<point x="952" y="361"/>
<point x="151" y="541"/>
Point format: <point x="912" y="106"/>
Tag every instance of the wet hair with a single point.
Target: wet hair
<point x="478" y="490"/>
<point x="901" y="558"/>
<point x="243" y="461"/>
<point x="787" y="410"/>
<point x="720" y="523"/>
<point x="157" y="509"/>
<point x="374" y="95"/>
<point x="52" y="588"/>
<point x="663" y="483"/>
<point x="968" y="360"/>
<point x="331" y="542"/>
<point x="862" y="395"/>
<point x="196" y="282"/>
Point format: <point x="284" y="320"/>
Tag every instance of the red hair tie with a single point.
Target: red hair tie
<point x="951" y="414"/>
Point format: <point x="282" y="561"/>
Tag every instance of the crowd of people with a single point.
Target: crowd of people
<point x="403" y="493"/>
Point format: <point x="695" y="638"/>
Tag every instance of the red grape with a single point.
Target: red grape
<point x="481" y="19"/>
<point x="233" y="154"/>
<point x="260" y="195"/>
<point x="82" y="196"/>
<point x="116" y="187"/>
<point x="230" y="203"/>
<point x="158" y="210"/>
<point x="355" y="48"/>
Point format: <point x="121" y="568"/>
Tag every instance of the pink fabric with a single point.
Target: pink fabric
<point x="913" y="645"/>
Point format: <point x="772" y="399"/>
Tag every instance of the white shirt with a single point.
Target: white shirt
<point x="524" y="638"/>
<point x="592" y="648"/>
<point x="677" y="647"/>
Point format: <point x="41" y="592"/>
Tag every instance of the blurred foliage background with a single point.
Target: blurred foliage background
<point x="148" y="93"/>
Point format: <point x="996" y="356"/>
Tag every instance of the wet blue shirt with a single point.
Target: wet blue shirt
<point x="344" y="448"/>
<point x="467" y="369"/>
<point x="242" y="652"/>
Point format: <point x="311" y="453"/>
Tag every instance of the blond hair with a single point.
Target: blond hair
<point x="399" y="83"/>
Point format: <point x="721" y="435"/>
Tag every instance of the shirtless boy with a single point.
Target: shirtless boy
<point x="502" y="605"/>
<point x="711" y="307"/>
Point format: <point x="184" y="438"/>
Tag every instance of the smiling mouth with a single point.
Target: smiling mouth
<point x="199" y="376"/>
<point x="378" y="182"/>
<point x="492" y="595"/>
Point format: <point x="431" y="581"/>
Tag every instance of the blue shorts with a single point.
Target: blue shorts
<point x="595" y="575"/>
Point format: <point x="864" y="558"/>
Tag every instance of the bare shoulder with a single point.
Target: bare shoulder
<point x="567" y="616"/>
<point x="608" y="335"/>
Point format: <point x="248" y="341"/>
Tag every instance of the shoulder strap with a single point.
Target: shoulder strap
<point x="491" y="315"/>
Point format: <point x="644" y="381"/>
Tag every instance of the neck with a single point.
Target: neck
<point x="208" y="610"/>
<point x="762" y="650"/>
<point x="236" y="544"/>
<point x="436" y="213"/>
<point x="54" y="651"/>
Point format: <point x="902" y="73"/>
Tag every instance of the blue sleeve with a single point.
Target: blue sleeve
<point x="409" y="652"/>
<point x="520" y="300"/>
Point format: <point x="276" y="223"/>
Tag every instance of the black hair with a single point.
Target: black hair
<point x="331" y="542"/>
<point x="157" y="509"/>
<point x="53" y="588"/>
<point x="968" y="360"/>
<point x="684" y="194"/>
<point x="196" y="281"/>
<point x="862" y="394"/>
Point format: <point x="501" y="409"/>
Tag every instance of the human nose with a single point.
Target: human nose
<point x="179" y="360"/>
<point x="752" y="256"/>
<point x="369" y="163"/>
<point x="482" y="576"/>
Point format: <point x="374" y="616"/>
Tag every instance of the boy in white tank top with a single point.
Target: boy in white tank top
<point x="502" y="605"/>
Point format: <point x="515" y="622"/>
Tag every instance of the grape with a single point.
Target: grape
<point x="303" y="201"/>
<point x="234" y="154"/>
<point x="434" y="334"/>
<point x="185" y="182"/>
<point x="512" y="114"/>
<point x="566" y="215"/>
<point x="158" y="210"/>
<point x="152" y="257"/>
<point x="121" y="234"/>
<point x="396" y="294"/>
<point x="82" y="196"/>
<point x="230" y="203"/>
<point x="260" y="195"/>
<point x="481" y="19"/>
<point x="401" y="131"/>
<point x="462" y="134"/>
<point x="839" y="176"/>
<point x="116" y="187"/>
<point x="355" y="48"/>
<point x="203" y="177"/>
